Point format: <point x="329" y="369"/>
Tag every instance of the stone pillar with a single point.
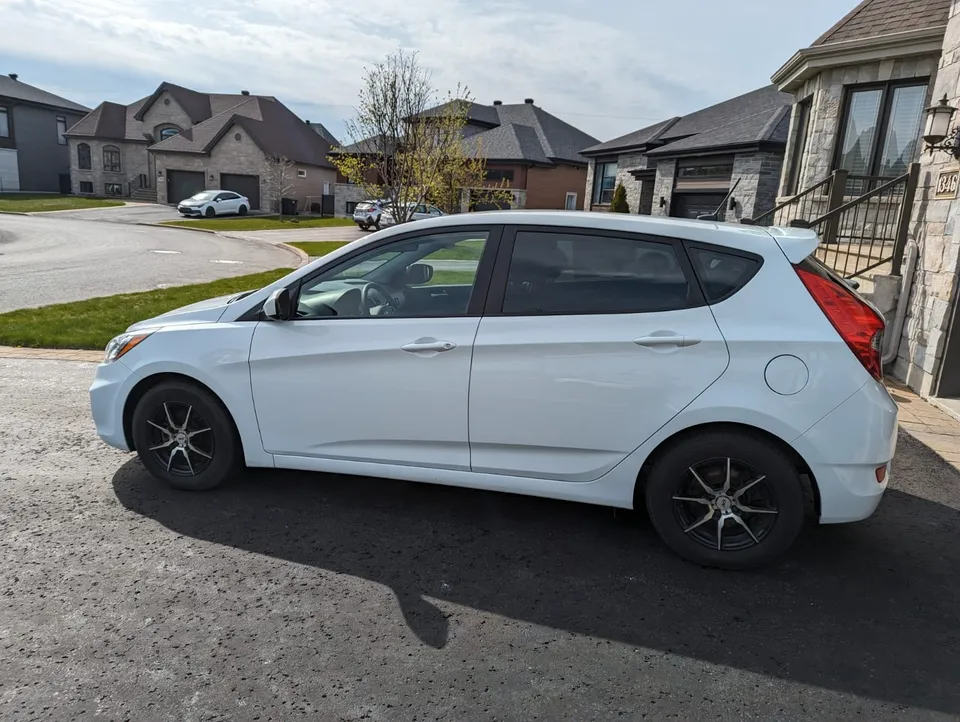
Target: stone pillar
<point x="663" y="187"/>
<point x="934" y="227"/>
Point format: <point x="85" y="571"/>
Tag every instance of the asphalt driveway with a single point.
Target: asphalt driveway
<point x="56" y="259"/>
<point x="296" y="596"/>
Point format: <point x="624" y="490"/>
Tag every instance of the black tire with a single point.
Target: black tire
<point x="242" y="211"/>
<point x="376" y="223"/>
<point x="780" y="494"/>
<point x="168" y="402"/>
<point x="363" y="226"/>
<point x="210" y="213"/>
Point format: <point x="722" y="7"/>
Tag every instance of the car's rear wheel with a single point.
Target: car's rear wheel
<point x="726" y="499"/>
<point x="363" y="226"/>
<point x="210" y="213"/>
<point x="242" y="211"/>
<point x="185" y="437"/>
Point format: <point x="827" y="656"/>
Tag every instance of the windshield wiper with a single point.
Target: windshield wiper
<point x="239" y="296"/>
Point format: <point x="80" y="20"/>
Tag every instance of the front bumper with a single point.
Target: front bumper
<point x="188" y="211"/>
<point x="108" y="394"/>
<point x="844" y="450"/>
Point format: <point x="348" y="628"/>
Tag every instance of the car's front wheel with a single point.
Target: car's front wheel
<point x="185" y="436"/>
<point x="210" y="213"/>
<point x="726" y="499"/>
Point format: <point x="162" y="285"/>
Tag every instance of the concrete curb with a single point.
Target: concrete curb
<point x="50" y="354"/>
<point x="13" y="213"/>
<point x="175" y="228"/>
<point x="303" y="258"/>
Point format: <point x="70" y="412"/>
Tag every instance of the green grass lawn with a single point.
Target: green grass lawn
<point x="92" y="323"/>
<point x="261" y="223"/>
<point x="315" y="249"/>
<point x="39" y="202"/>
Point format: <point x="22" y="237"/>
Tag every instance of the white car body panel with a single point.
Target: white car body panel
<point x="841" y="422"/>
<point x="602" y="393"/>
<point x="345" y="389"/>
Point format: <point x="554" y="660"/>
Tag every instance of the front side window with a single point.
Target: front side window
<point x="578" y="273"/>
<point x="802" y="133"/>
<point x="111" y="158"/>
<point x="83" y="157"/>
<point x="604" y="182"/>
<point x="880" y="132"/>
<point x="427" y="276"/>
<point x="4" y="122"/>
<point x="61" y="130"/>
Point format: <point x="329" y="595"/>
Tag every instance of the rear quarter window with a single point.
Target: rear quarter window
<point x="722" y="272"/>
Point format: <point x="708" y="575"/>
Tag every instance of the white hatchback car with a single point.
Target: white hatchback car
<point x="718" y="375"/>
<point x="214" y="203"/>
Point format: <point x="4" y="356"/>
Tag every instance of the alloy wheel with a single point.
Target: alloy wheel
<point x="180" y="438"/>
<point x="725" y="504"/>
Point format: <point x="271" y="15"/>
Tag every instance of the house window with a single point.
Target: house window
<point x="498" y="176"/>
<point x="880" y="132"/>
<point x="604" y="182"/>
<point x="706" y="171"/>
<point x="113" y="189"/>
<point x="301" y="173"/>
<point x="86" y="187"/>
<point x="570" y="202"/>
<point x="111" y="158"/>
<point x="351" y="207"/>
<point x="168" y="133"/>
<point x="4" y="123"/>
<point x="83" y="158"/>
<point x="802" y="133"/>
<point x="61" y="130"/>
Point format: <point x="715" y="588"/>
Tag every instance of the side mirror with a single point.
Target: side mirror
<point x="418" y="274"/>
<point x="277" y="305"/>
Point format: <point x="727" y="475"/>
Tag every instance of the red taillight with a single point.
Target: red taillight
<point x="856" y="322"/>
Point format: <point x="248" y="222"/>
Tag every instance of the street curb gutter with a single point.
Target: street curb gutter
<point x="303" y="258"/>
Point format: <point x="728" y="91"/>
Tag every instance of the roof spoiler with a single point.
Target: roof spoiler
<point x="796" y="243"/>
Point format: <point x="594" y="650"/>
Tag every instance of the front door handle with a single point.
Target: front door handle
<point x="666" y="340"/>
<point x="436" y="346"/>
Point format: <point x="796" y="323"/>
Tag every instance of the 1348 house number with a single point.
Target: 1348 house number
<point x="947" y="184"/>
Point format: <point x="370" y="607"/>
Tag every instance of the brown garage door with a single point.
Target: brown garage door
<point x="245" y="185"/>
<point x="181" y="184"/>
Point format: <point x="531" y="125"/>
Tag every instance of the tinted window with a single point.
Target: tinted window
<point x="722" y="274"/>
<point x="568" y="273"/>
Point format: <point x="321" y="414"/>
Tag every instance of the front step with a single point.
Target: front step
<point x="147" y="195"/>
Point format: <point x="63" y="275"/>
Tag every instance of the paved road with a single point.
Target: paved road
<point x="293" y="596"/>
<point x="130" y="213"/>
<point x="54" y="259"/>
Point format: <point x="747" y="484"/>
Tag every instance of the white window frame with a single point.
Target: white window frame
<point x="301" y="173"/>
<point x="566" y="202"/>
<point x="62" y="129"/>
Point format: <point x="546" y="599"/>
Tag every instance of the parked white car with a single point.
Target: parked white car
<point x="367" y="214"/>
<point x="718" y="375"/>
<point x="214" y="203"/>
<point x="421" y="212"/>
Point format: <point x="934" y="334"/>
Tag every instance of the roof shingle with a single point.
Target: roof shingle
<point x="18" y="90"/>
<point x="875" y="18"/>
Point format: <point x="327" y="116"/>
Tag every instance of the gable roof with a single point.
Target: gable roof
<point x="875" y="18"/>
<point x="638" y="139"/>
<point x="321" y="130"/>
<point x="268" y="122"/>
<point x="760" y="116"/>
<point x="18" y="90"/>
<point x="111" y="121"/>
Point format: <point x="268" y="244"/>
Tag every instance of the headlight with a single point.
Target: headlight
<point x="121" y="344"/>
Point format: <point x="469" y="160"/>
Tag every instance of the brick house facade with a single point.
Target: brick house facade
<point x="178" y="141"/>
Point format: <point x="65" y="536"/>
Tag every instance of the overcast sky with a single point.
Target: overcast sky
<point x="608" y="67"/>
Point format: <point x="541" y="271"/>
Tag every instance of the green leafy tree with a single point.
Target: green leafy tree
<point x="619" y="202"/>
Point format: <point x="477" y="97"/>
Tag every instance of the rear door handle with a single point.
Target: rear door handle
<point x="437" y="346"/>
<point x="666" y="340"/>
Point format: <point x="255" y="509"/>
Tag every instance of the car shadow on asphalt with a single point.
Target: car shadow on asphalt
<point x="870" y="609"/>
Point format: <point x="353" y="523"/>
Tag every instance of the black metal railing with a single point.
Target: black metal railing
<point x="806" y="205"/>
<point x="870" y="231"/>
<point x="137" y="182"/>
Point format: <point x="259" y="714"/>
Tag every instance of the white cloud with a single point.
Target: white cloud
<point x="631" y="62"/>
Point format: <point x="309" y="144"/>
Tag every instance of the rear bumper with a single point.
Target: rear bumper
<point x="844" y="450"/>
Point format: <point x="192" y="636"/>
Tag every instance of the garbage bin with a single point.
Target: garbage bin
<point x="288" y="206"/>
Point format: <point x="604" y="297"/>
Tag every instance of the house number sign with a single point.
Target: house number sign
<point x="947" y="184"/>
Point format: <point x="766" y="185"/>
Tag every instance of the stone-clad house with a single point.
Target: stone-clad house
<point x="860" y="92"/>
<point x="728" y="157"/>
<point x="178" y="141"/>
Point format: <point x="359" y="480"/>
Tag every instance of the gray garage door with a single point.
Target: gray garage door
<point x="182" y="184"/>
<point x="245" y="185"/>
<point x="691" y="205"/>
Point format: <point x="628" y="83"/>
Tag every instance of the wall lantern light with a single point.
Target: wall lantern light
<point x="663" y="202"/>
<point x="937" y="133"/>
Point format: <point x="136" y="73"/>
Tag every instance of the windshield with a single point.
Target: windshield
<point x="204" y="196"/>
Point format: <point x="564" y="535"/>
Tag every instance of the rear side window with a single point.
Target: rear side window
<point x="577" y="273"/>
<point x="722" y="273"/>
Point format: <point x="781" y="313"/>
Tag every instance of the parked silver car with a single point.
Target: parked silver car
<point x="368" y="213"/>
